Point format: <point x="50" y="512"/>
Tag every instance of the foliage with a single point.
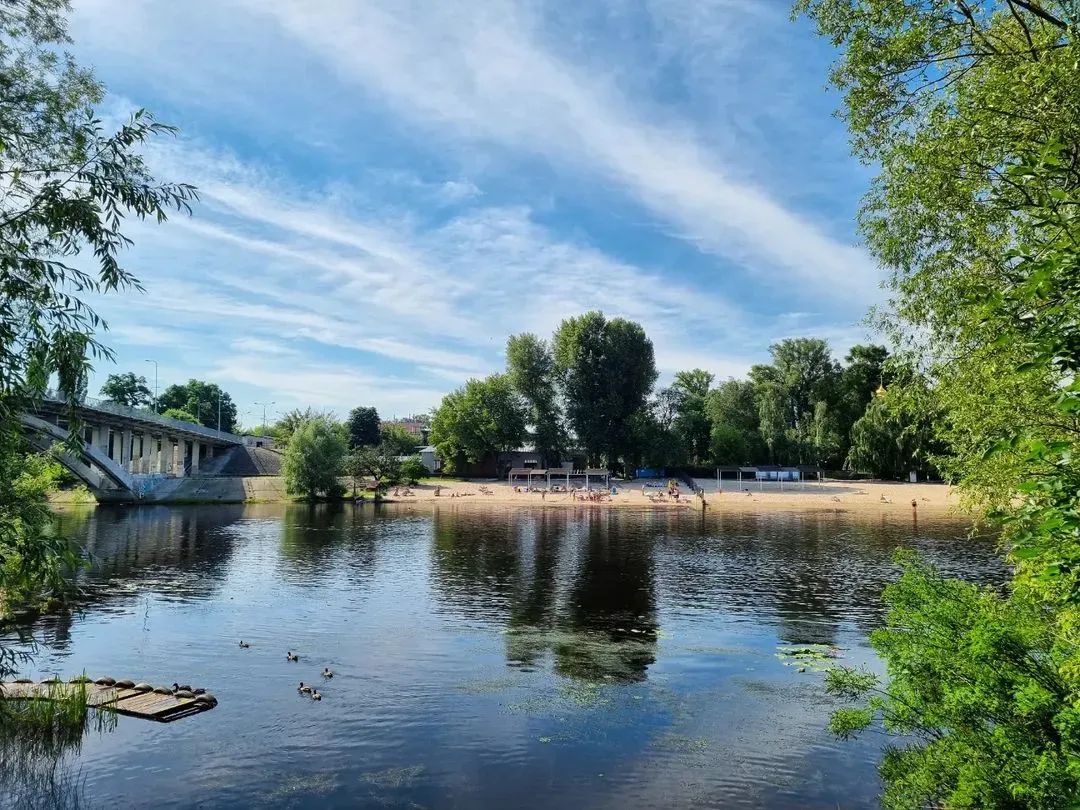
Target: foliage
<point x="485" y="416"/>
<point x="127" y="389"/>
<point x="314" y="458"/>
<point x="692" y="425"/>
<point x="976" y="690"/>
<point x="890" y="440"/>
<point x="971" y="111"/>
<point x="413" y="469"/>
<point x="530" y="367"/>
<point x="34" y="561"/>
<point x="606" y="370"/>
<point x="203" y="400"/>
<point x="403" y="442"/>
<point x="379" y="462"/>
<point x="67" y="186"/>
<point x="181" y="415"/>
<point x="363" y="427"/>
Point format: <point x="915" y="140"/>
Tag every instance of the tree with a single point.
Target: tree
<point x="606" y="371"/>
<point x="530" y="368"/>
<point x="692" y="425"/>
<point x="413" y="469"/>
<point x="735" y="436"/>
<point x="181" y="415"/>
<point x="864" y="371"/>
<point x="887" y="441"/>
<point x="202" y="399"/>
<point x="728" y="445"/>
<point x="363" y="427"/>
<point x="484" y="417"/>
<point x="290" y="421"/>
<point x="68" y="188"/>
<point x="971" y="112"/>
<point x="127" y="389"/>
<point x="314" y="458"/>
<point x="379" y="462"/>
<point x="395" y="436"/>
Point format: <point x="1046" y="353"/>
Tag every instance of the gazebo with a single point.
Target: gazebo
<point x="528" y="473"/>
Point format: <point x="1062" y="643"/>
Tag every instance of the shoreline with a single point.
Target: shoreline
<point x="867" y="497"/>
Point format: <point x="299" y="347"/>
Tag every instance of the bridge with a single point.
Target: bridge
<point x="127" y="452"/>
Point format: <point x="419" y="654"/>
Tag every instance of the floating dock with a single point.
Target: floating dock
<point x="126" y="697"/>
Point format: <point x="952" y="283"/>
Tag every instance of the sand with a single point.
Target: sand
<point x="863" y="496"/>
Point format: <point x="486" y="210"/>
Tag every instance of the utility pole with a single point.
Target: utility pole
<point x="264" y="404"/>
<point x="219" y="409"/>
<point x="155" y="384"/>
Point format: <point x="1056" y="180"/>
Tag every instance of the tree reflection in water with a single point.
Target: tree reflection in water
<point x="565" y="584"/>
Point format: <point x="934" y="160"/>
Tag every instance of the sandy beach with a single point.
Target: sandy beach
<point x="861" y="496"/>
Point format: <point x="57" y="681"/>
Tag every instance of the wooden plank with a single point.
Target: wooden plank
<point x="152" y="705"/>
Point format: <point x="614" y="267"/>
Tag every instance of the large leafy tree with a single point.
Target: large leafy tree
<point x="971" y="112"/>
<point x="863" y="373"/>
<point x="483" y="417"/>
<point x="315" y="458"/>
<point x="606" y="370"/>
<point x="692" y="425"/>
<point x="127" y="389"/>
<point x="206" y="400"/>
<point x="68" y="187"/>
<point x="530" y="368"/>
<point x="363" y="427"/>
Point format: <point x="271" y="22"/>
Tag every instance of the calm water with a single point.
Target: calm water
<point x="483" y="659"/>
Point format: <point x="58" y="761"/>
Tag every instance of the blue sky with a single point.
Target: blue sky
<point x="391" y="187"/>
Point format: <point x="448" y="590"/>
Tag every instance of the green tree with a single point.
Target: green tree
<point x="889" y="440"/>
<point x="363" y="427"/>
<point x="127" y="389"/>
<point x="206" y="400"/>
<point x="729" y="445"/>
<point x="530" y="368"/>
<point x="606" y="371"/>
<point x="692" y="425"/>
<point x="971" y="112"/>
<point x="290" y="421"/>
<point x="413" y="469"/>
<point x="180" y="414"/>
<point x="484" y="417"/>
<point x="314" y="458"/>
<point x="69" y="186"/>
<point x="735" y="436"/>
<point x="395" y="436"/>
<point x="863" y="372"/>
<point x="379" y="463"/>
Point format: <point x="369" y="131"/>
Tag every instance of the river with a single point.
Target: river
<point x="483" y="658"/>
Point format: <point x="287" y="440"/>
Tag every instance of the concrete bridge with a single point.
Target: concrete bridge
<point x="127" y="452"/>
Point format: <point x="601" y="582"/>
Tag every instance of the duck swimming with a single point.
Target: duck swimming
<point x="327" y="673"/>
<point x="315" y="695"/>
<point x="304" y="689"/>
<point x="291" y="656"/>
<point x="244" y="644"/>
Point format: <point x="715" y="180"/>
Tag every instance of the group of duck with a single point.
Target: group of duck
<point x="303" y="688"/>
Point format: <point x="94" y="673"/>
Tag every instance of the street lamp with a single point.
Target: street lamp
<point x="264" y="406"/>
<point x="155" y="384"/>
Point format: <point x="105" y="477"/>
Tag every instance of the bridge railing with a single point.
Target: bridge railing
<point x="147" y="415"/>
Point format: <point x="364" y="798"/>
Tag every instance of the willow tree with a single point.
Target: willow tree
<point x="69" y="185"/>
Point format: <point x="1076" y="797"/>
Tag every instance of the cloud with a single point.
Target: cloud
<point x="480" y="68"/>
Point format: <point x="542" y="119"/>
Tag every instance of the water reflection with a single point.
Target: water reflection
<point x="484" y="658"/>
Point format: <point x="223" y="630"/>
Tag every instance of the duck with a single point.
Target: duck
<point x="178" y="688"/>
<point x="244" y="644"/>
<point x="291" y="656"/>
<point x="304" y="689"/>
<point x="327" y="673"/>
<point x="315" y="694"/>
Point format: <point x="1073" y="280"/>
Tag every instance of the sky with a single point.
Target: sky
<point x="390" y="188"/>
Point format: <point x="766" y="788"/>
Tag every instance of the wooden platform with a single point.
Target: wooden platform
<point x="148" y="704"/>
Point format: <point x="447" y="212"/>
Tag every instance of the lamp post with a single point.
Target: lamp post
<point x="219" y="409"/>
<point x="155" y="383"/>
<point x="264" y="405"/>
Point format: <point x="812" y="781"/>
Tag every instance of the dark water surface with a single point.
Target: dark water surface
<point x="484" y="659"/>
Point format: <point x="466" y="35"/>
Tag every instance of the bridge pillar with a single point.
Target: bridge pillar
<point x="125" y="449"/>
<point x="177" y="457"/>
<point x="195" y="448"/>
<point x="147" y="448"/>
<point x="164" y="455"/>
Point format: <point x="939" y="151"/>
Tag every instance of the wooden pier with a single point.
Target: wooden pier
<point x="126" y="697"/>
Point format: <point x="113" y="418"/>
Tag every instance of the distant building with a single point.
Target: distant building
<point x="259" y="441"/>
<point x="430" y="458"/>
<point x="413" y="427"/>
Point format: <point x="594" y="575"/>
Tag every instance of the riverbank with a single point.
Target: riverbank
<point x="861" y="496"/>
